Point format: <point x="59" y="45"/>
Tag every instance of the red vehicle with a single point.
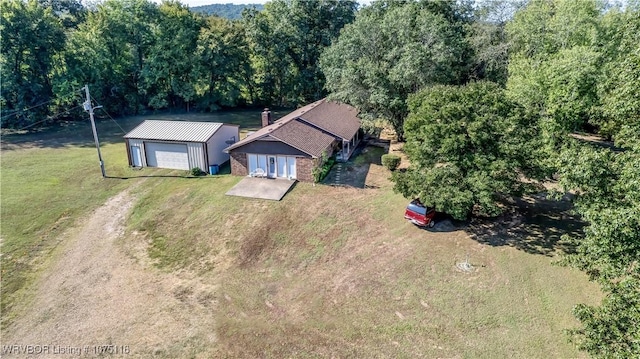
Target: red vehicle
<point x="420" y="215"/>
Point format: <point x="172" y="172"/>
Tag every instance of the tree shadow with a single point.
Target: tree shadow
<point x="533" y="224"/>
<point x="111" y="130"/>
<point x="224" y="169"/>
<point x="353" y="173"/>
<point x="445" y="223"/>
<point x="70" y="134"/>
<point x="161" y="176"/>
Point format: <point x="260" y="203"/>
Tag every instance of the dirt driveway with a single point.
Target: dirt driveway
<point x="99" y="290"/>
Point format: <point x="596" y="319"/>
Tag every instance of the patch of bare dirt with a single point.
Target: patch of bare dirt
<point x="96" y="293"/>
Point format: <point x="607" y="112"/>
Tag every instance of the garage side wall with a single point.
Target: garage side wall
<point x="137" y="142"/>
<point x="217" y="143"/>
<point x="196" y="155"/>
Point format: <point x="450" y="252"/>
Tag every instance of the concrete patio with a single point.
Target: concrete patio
<point x="262" y="188"/>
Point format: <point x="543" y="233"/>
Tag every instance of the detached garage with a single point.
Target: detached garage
<point x="180" y="145"/>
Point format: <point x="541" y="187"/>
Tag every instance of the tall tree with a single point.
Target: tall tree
<point x="554" y="66"/>
<point x="572" y="65"/>
<point x="619" y="85"/>
<point x="467" y="146"/>
<point x="225" y="70"/>
<point x="109" y="52"/>
<point x="70" y="12"/>
<point x="570" y="78"/>
<point x="543" y="27"/>
<point x="169" y="71"/>
<point x="392" y="50"/>
<point x="31" y="38"/>
<point x="488" y="39"/>
<point x="286" y="39"/>
<point x="555" y="37"/>
<point x="607" y="184"/>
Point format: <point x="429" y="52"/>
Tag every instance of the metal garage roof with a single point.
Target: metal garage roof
<point x="174" y="130"/>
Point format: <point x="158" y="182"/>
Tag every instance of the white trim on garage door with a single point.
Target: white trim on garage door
<point x="167" y="155"/>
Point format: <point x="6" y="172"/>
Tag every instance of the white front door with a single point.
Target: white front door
<point x="136" y="156"/>
<point x="271" y="164"/>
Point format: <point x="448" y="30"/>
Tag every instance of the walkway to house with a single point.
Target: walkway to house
<point x="263" y="188"/>
<point x="353" y="173"/>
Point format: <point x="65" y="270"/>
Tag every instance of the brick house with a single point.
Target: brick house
<point x="293" y="145"/>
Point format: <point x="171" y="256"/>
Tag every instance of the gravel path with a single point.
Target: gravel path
<point x="101" y="290"/>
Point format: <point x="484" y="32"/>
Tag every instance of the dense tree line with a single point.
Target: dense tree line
<point x="486" y="94"/>
<point x="137" y="56"/>
<point x="501" y="121"/>
<point x="227" y="11"/>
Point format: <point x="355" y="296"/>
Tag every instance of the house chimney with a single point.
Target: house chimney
<point x="266" y="117"/>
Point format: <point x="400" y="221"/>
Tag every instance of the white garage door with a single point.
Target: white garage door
<point x="167" y="155"/>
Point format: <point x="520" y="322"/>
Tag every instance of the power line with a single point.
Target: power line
<point x="112" y="119"/>
<point x="17" y="112"/>
<point x="49" y="118"/>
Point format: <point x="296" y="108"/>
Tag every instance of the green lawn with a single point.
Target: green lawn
<point x="325" y="272"/>
<point x="338" y="272"/>
<point x="44" y="191"/>
<point x="51" y="177"/>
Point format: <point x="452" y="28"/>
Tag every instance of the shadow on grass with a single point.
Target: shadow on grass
<point x="353" y="173"/>
<point x="445" y="223"/>
<point x="290" y="189"/>
<point x="161" y="176"/>
<point x="79" y="134"/>
<point x="225" y="169"/>
<point x="534" y="224"/>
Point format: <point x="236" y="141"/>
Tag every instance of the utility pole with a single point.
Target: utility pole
<point x="89" y="108"/>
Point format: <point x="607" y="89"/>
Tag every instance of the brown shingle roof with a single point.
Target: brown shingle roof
<point x="305" y="127"/>
<point x="303" y="137"/>
<point x="339" y="119"/>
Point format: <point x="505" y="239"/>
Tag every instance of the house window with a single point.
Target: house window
<point x="282" y="166"/>
<point x="278" y="166"/>
<point x="253" y="162"/>
<point x="291" y="166"/>
<point x="262" y="163"/>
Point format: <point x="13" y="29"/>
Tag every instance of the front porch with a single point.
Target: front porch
<point x="356" y="172"/>
<point x="348" y="147"/>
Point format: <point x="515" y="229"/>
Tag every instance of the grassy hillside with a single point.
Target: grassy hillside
<point x="338" y="272"/>
<point x="51" y="178"/>
<point x="44" y="191"/>
<point x="325" y="272"/>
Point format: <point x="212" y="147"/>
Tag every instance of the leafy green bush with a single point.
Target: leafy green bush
<point x="391" y="161"/>
<point x="320" y="172"/>
<point x="197" y="171"/>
